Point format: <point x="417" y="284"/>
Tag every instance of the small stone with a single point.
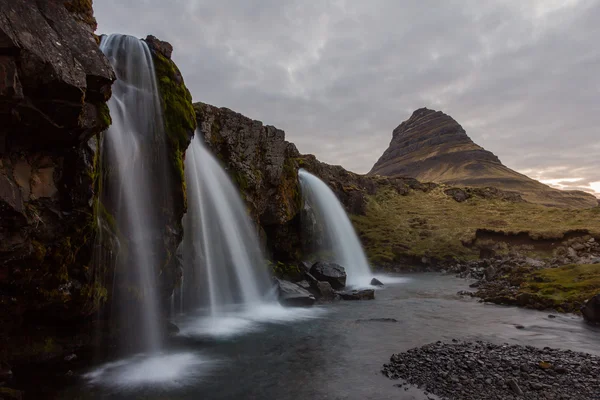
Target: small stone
<point x="519" y="327"/>
<point x="70" y="357"/>
<point x="551" y="316"/>
<point x="514" y="386"/>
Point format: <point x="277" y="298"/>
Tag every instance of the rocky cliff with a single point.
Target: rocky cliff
<point x="54" y="84"/>
<point x="401" y="221"/>
<point x="432" y="146"/>
<point x="54" y="87"/>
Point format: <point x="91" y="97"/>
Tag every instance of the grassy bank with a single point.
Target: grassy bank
<point x="435" y="225"/>
<point x="565" y="288"/>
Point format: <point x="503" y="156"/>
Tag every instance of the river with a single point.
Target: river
<point x="336" y="351"/>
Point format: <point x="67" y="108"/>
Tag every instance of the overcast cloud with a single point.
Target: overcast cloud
<point x="521" y="76"/>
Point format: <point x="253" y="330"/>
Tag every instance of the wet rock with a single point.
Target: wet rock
<point x="325" y="291"/>
<point x="70" y="357"/>
<point x="362" y="294"/>
<point x="490" y="273"/>
<point x="291" y="294"/>
<point x="172" y="329"/>
<point x="591" y="310"/>
<point x="333" y="273"/>
<point x="392" y="320"/>
<point x="376" y="282"/>
<point x="519" y="327"/>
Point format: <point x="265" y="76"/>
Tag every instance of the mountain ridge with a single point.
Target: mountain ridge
<point x="431" y="146"/>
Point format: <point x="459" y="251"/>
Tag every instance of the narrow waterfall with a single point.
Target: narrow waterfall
<point x="337" y="228"/>
<point x="132" y="148"/>
<point x="220" y="247"/>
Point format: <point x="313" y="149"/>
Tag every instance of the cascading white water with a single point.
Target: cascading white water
<point x="130" y="150"/>
<point x="219" y="238"/>
<point x="340" y="234"/>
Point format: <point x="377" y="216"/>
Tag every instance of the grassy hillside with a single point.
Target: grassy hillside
<point x="434" y="225"/>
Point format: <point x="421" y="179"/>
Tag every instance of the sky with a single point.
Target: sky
<point x="521" y="76"/>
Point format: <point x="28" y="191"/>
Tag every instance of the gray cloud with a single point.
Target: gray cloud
<point x="338" y="76"/>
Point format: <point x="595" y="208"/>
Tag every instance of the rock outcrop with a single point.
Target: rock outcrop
<point x="54" y="84"/>
<point x="591" y="310"/>
<point x="179" y="124"/>
<point x="329" y="272"/>
<point x="265" y="167"/>
<point x="431" y="146"/>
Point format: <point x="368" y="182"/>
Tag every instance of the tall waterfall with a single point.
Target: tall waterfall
<point x="338" y="230"/>
<point x="220" y="247"/>
<point x="133" y="148"/>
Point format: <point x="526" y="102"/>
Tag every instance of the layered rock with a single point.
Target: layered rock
<point x="54" y="84"/>
<point x="432" y="146"/>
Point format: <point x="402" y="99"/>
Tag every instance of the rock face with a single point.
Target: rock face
<point x="265" y="167"/>
<point x="180" y="124"/>
<point x="333" y="273"/>
<point x="591" y="310"/>
<point x="431" y="146"/>
<point x="54" y="84"/>
<point x="294" y="295"/>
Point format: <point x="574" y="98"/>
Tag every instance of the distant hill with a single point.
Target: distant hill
<point x="432" y="147"/>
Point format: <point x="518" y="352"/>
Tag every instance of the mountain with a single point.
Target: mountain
<point x="431" y="146"/>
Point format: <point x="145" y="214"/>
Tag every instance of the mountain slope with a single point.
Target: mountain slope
<point x="432" y="146"/>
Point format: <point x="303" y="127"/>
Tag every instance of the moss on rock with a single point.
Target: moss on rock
<point x="178" y="111"/>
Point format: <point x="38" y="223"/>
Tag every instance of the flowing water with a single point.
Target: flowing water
<point x="129" y="148"/>
<point x="337" y="228"/>
<point x="226" y="273"/>
<point x="336" y="352"/>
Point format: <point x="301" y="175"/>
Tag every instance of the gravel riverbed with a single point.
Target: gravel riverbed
<point x="482" y="370"/>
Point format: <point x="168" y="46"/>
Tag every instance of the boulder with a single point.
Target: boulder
<point x="490" y="273"/>
<point x="376" y="282"/>
<point x="325" y="291"/>
<point x="591" y="310"/>
<point x="595" y="260"/>
<point x="293" y="295"/>
<point x="333" y="273"/>
<point x="362" y="294"/>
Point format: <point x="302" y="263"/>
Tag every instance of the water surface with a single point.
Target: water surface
<point x="336" y="351"/>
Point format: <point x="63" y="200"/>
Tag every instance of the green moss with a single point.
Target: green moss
<point x="434" y="225"/>
<point x="84" y="9"/>
<point x="104" y="115"/>
<point x="289" y="189"/>
<point x="179" y="114"/>
<point x="566" y="287"/>
<point x="285" y="271"/>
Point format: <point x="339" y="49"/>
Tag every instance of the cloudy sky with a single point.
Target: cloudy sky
<point x="521" y="76"/>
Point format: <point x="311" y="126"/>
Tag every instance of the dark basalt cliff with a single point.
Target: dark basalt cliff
<point x="54" y="87"/>
<point x="54" y="84"/>
<point x="432" y="146"/>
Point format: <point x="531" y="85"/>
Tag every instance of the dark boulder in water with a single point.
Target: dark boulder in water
<point x="325" y="291"/>
<point x="333" y="273"/>
<point x="591" y="309"/>
<point x="376" y="282"/>
<point x="362" y="294"/>
<point x="293" y="295"/>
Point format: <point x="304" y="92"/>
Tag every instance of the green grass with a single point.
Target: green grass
<point x="566" y="287"/>
<point x="434" y="225"/>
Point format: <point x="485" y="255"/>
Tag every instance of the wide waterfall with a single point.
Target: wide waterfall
<point x="225" y="267"/>
<point x="132" y="151"/>
<point x="337" y="228"/>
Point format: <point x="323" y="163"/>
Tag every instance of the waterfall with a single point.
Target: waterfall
<point x="220" y="244"/>
<point x="134" y="149"/>
<point x="337" y="228"/>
